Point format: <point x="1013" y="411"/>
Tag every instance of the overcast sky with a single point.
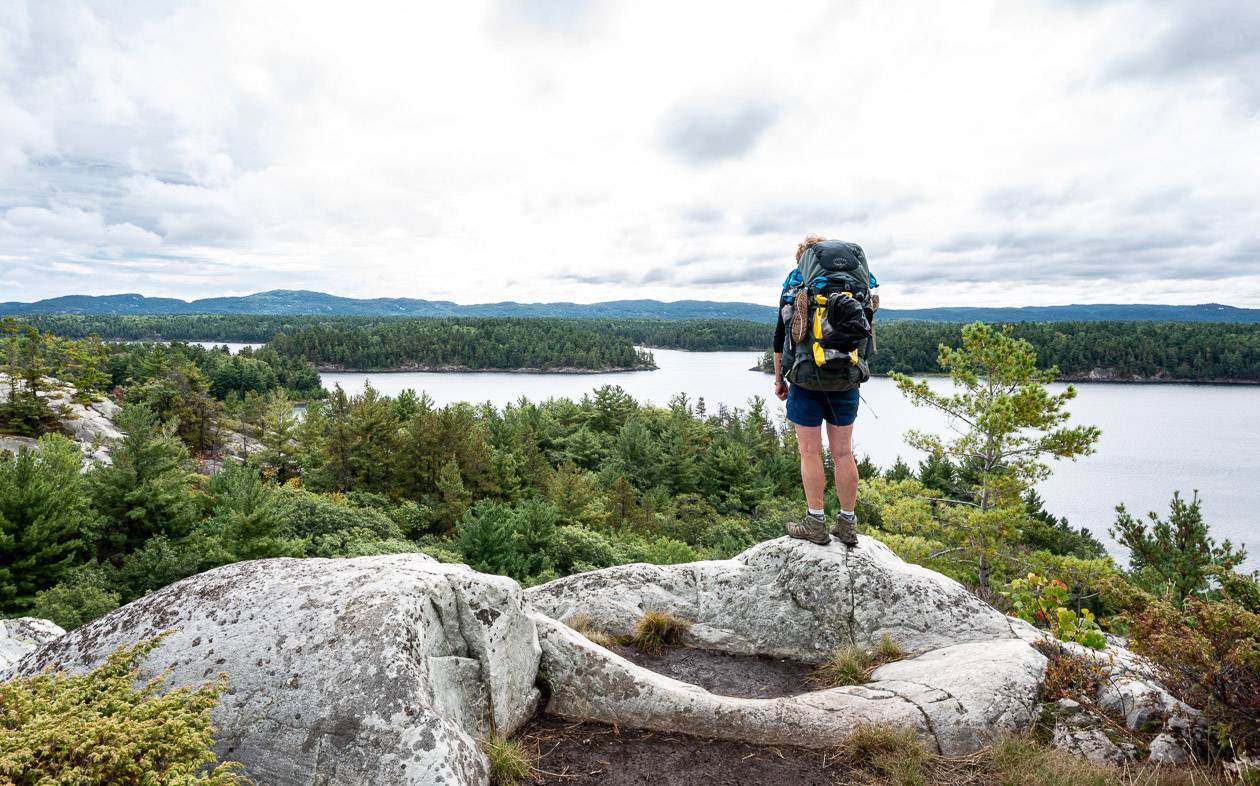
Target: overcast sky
<point x="987" y="153"/>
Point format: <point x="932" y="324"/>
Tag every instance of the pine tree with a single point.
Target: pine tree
<point x="251" y="413"/>
<point x="574" y="493"/>
<point x="374" y="442"/>
<point x="46" y="520"/>
<point x="246" y="517"/>
<point x="1175" y="556"/>
<point x="637" y="455"/>
<point x="146" y="490"/>
<point x="23" y="411"/>
<point x="623" y="504"/>
<point x="453" y="498"/>
<point x="534" y="539"/>
<point x="338" y="440"/>
<point x="1011" y="423"/>
<point x="279" y="437"/>
<point x="484" y="537"/>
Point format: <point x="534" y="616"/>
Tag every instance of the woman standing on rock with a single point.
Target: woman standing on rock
<point x="824" y="333"/>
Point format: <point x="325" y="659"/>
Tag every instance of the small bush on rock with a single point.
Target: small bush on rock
<point x="1036" y="600"/>
<point x="1207" y="654"/>
<point x="656" y="629"/>
<point x="96" y="728"/>
<point x="888" y="650"/>
<point x="1068" y="675"/>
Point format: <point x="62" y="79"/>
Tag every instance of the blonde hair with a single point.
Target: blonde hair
<point x="806" y="243"/>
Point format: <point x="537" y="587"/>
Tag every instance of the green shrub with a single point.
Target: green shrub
<point x="726" y="538"/>
<point x="664" y="551"/>
<point x="359" y="543"/>
<point x="1036" y="600"/>
<point x="656" y="629"/>
<point x="516" y="541"/>
<point x="578" y="548"/>
<point x="96" y="728"/>
<point x="78" y="600"/>
<point x="310" y="515"/>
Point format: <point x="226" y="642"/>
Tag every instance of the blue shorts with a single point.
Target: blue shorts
<point x="811" y="407"/>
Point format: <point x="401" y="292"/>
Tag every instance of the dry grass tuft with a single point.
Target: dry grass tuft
<point x="852" y="665"/>
<point x="510" y="763"/>
<point x="889" y="756"/>
<point x="895" y="756"/>
<point x="888" y="650"/>
<point x="584" y="625"/>
<point x="656" y="629"/>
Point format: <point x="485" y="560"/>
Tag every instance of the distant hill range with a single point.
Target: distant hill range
<point x="294" y="302"/>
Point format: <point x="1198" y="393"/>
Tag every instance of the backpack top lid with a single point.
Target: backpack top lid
<point x="835" y="262"/>
<point x="837" y="256"/>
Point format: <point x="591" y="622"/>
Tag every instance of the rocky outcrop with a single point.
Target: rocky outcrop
<point x="23" y="635"/>
<point x="362" y="671"/>
<point x="785" y="598"/>
<point x="972" y="676"/>
<point x="389" y="669"/>
<point x="91" y="424"/>
<point x="973" y="673"/>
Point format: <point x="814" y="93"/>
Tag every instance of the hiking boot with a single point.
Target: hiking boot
<point x="845" y="529"/>
<point x="811" y="528"/>
<point x="800" y="315"/>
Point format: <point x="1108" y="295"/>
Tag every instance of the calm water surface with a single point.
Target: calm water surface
<point x="1155" y="438"/>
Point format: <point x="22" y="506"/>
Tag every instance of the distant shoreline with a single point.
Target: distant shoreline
<point x="466" y="370"/>
<point x="1086" y="380"/>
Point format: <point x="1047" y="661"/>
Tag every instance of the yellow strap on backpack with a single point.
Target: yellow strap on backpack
<point x="820" y="357"/>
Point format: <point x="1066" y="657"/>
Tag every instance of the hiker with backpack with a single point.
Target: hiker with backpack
<point x="822" y="342"/>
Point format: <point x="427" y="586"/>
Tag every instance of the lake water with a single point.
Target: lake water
<point x="233" y="346"/>
<point x="1155" y="438"/>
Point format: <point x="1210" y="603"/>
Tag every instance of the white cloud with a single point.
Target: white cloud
<point x="1014" y="153"/>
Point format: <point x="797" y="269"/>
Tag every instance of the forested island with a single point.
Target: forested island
<point x="707" y="335"/>
<point x="511" y="344"/>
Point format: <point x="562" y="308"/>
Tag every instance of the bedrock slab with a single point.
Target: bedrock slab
<point x="361" y="671"/>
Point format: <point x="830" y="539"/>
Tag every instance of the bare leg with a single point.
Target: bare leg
<point x="813" y="477"/>
<point x="840" y="441"/>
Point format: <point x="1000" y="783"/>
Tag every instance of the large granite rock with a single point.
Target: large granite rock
<point x="785" y="598"/>
<point x="23" y="635"/>
<point x="364" y="671"/>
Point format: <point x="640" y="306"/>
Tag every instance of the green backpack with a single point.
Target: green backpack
<point x="831" y="267"/>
